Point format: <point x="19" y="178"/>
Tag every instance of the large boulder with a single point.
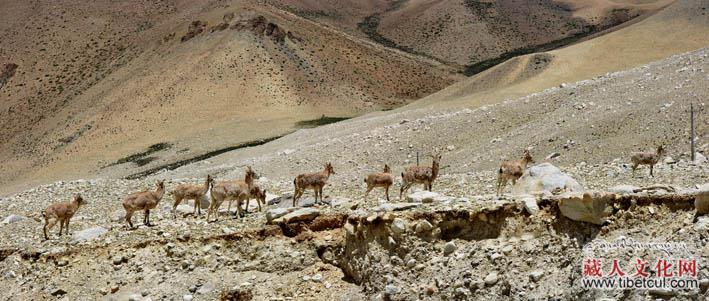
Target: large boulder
<point x="425" y="196"/>
<point x="545" y="178"/>
<point x="701" y="201"/>
<point x="88" y="234"/>
<point x="591" y="207"/>
<point x="270" y="198"/>
<point x="300" y="215"/>
<point x="275" y="213"/>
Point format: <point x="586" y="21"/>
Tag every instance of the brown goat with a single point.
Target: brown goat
<point x="192" y="192"/>
<point x="647" y="158"/>
<point x="379" y="179"/>
<point x="420" y="175"/>
<point x="62" y="213"/>
<point x="258" y="194"/>
<point x="512" y="170"/>
<point x="235" y="190"/>
<point x="315" y="181"/>
<point x="144" y="200"/>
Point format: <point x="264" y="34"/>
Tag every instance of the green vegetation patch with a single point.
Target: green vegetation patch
<point x="306" y="124"/>
<point x="144" y="158"/>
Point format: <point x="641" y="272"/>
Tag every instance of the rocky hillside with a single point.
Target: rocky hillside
<point x="461" y="241"/>
<point x="84" y="87"/>
<point x="471" y="34"/>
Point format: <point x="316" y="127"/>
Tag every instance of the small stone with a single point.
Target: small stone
<point x="187" y="297"/>
<point x="507" y="249"/>
<point x="449" y="248"/>
<point x="114" y="289"/>
<point x="495" y="256"/>
<point x="117" y="260"/>
<point x="450" y="148"/>
<point x="423" y="226"/>
<point x="530" y="204"/>
<point x="669" y="160"/>
<point x="398" y="226"/>
<point x="491" y="278"/>
<point x="411" y="263"/>
<point x="317" y="277"/>
<point x="391" y="289"/>
<point x="58" y="292"/>
<point x="536" y="275"/>
<point x="134" y="297"/>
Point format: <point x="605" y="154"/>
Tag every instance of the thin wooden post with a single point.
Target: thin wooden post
<point x="691" y="130"/>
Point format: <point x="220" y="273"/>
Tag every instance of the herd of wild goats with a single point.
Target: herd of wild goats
<point x="246" y="189"/>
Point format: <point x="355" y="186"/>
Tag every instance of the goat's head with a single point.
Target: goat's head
<point x="387" y="169"/>
<point x="660" y="149"/>
<point x="528" y="156"/>
<point x="250" y="173"/>
<point x="436" y="157"/>
<point x="329" y="169"/>
<point x="79" y="200"/>
<point x="210" y="180"/>
<point x="160" y="184"/>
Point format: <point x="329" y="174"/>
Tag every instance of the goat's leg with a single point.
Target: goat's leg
<point x="213" y="206"/>
<point x="67" y="226"/>
<point x="366" y="193"/>
<point x="61" y="227"/>
<point x="129" y="215"/>
<point x="146" y="216"/>
<point x="178" y="200"/>
<point x="386" y="191"/>
<point x="197" y="208"/>
<point x="403" y="189"/>
<point x="635" y="166"/>
<point x="504" y="185"/>
<point x="238" y="209"/>
<point x="48" y="225"/>
<point x="296" y="195"/>
<point x="651" y="166"/>
<point x="228" y="209"/>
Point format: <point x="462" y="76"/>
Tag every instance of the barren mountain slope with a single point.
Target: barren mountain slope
<point x="93" y="86"/>
<point x="469" y="33"/>
<point x="680" y="27"/>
